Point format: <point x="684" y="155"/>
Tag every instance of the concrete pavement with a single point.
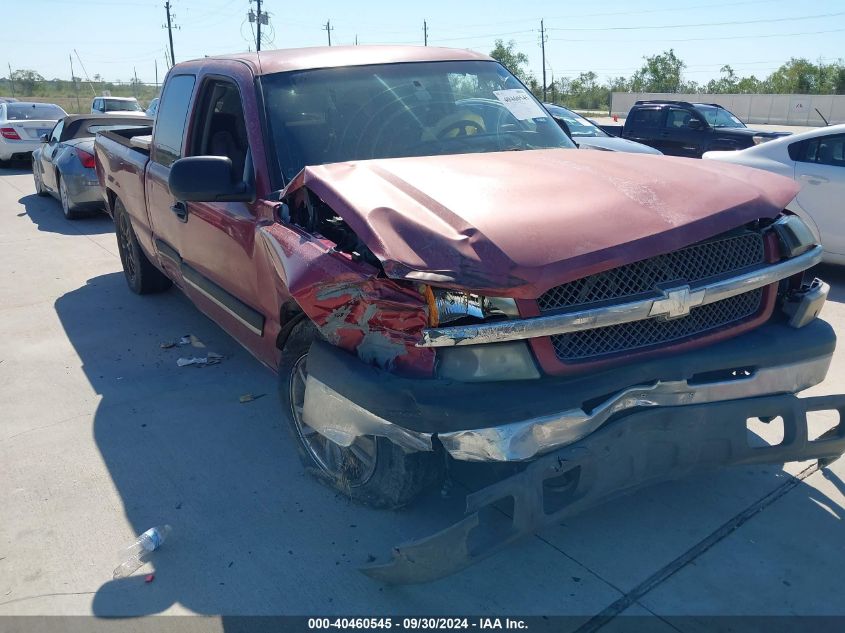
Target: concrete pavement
<point x="102" y="436"/>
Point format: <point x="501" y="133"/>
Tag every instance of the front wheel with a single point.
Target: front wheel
<point x="373" y="470"/>
<point x="39" y="183"/>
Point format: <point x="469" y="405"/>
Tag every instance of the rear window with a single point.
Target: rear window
<point x="646" y="117"/>
<point x="33" y="111"/>
<point x="118" y="105"/>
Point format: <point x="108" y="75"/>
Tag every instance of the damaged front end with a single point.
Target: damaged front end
<point x="442" y="346"/>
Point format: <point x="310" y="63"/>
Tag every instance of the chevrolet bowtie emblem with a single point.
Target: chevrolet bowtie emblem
<point x="676" y="302"/>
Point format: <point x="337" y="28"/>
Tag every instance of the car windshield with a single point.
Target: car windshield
<point x="718" y="117"/>
<point x="394" y="110"/>
<point x="33" y="111"/>
<point x="578" y="125"/>
<point x="118" y="105"/>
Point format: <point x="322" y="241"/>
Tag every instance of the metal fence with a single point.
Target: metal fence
<point x="752" y="108"/>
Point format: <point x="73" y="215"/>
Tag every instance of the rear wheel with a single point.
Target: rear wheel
<point x="373" y="470"/>
<point x="67" y="206"/>
<point x="141" y="275"/>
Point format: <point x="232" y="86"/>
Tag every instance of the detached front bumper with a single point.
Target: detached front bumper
<point x="522" y="420"/>
<point x="643" y="448"/>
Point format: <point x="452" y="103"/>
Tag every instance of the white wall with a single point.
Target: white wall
<point x="751" y="108"/>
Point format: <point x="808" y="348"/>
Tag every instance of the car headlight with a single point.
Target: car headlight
<point x="446" y="306"/>
<point x="757" y="138"/>
<point x="794" y="235"/>
<point x="487" y="363"/>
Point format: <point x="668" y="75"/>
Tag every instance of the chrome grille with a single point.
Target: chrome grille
<point x="712" y="258"/>
<point x="637" y="335"/>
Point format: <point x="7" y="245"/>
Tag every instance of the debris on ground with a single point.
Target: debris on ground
<point x="209" y="359"/>
<point x="149" y="578"/>
<point x="138" y="552"/>
<point x="167" y="345"/>
<point x="248" y="397"/>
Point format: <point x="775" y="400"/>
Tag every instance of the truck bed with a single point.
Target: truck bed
<point x="121" y="161"/>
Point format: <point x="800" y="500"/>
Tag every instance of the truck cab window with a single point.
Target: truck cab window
<point x="677" y="119"/>
<point x="222" y="125"/>
<point x="646" y="117"/>
<point x="172" y="115"/>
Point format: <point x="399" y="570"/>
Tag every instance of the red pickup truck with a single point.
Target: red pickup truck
<point x="436" y="273"/>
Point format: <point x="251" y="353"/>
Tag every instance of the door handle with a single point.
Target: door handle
<point x="180" y="209"/>
<point x="814" y="180"/>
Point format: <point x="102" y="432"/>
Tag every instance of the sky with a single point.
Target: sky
<point x="115" y="38"/>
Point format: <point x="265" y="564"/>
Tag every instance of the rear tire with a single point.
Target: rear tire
<point x="67" y="206"/>
<point x="141" y="275"/>
<point x="374" y="470"/>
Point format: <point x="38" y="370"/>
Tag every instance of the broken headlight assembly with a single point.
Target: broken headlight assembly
<point x="478" y="363"/>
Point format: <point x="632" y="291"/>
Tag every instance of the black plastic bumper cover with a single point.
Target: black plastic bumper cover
<point x="639" y="449"/>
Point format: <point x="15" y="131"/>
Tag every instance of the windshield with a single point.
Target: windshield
<point x="578" y="125"/>
<point x="393" y="110"/>
<point x="719" y="117"/>
<point x="117" y="105"/>
<point x="34" y="111"/>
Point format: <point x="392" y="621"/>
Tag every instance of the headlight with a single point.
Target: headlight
<point x="794" y="235"/>
<point x="446" y="306"/>
<point x="760" y="139"/>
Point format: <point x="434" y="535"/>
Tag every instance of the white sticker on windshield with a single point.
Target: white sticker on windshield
<point x="520" y="103"/>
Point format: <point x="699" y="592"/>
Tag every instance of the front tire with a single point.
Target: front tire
<point x="373" y="470"/>
<point x="142" y="276"/>
<point x="39" y="183"/>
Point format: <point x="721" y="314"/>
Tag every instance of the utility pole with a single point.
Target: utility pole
<point x="170" y="26"/>
<point x="425" y="33"/>
<point x="11" y="82"/>
<point x="135" y="85"/>
<point x="75" y="85"/>
<point x="262" y="17"/>
<point x="155" y="62"/>
<point x="328" y="29"/>
<point x="543" y="49"/>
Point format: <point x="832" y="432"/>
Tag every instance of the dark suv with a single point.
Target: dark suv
<point x="680" y="128"/>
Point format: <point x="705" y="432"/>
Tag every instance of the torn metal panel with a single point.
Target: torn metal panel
<point x="503" y="224"/>
<point x="638" y="450"/>
<point x="379" y="319"/>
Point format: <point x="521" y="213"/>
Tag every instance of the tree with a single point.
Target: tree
<point x="26" y="81"/>
<point x="795" y="76"/>
<point x="512" y="59"/>
<point x="660" y="73"/>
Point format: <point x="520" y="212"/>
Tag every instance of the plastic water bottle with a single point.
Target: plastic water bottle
<point x="135" y="555"/>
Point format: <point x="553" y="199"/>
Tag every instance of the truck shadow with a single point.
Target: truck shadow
<point x="46" y="213"/>
<point x="253" y="535"/>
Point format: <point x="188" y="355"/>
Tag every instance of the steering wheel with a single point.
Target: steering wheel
<point x="462" y="127"/>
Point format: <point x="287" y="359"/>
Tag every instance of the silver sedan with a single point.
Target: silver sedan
<point x="63" y="165"/>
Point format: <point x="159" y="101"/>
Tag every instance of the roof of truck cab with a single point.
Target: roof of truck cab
<point x="284" y="60"/>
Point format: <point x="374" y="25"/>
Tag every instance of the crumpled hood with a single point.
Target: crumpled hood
<point x="518" y="223"/>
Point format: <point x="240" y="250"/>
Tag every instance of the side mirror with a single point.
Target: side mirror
<point x="44" y="138"/>
<point x="694" y="124"/>
<point x="207" y="179"/>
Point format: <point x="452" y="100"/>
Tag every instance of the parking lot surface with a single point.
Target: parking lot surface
<point x="103" y="436"/>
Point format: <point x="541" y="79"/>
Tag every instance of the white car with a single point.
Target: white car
<point x="816" y="160"/>
<point x="124" y="106"/>
<point x="22" y="124"/>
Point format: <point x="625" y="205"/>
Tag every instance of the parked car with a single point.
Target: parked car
<point x="63" y="165"/>
<point x="21" y="125"/>
<point x="8" y="100"/>
<point x="679" y="128"/>
<point x="433" y="282"/>
<point x="816" y="161"/>
<point x="124" y="106"/>
<point x="152" y="109"/>
<point x="587" y="134"/>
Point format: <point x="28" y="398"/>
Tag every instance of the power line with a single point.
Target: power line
<point x="702" y="39"/>
<point x="686" y="26"/>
